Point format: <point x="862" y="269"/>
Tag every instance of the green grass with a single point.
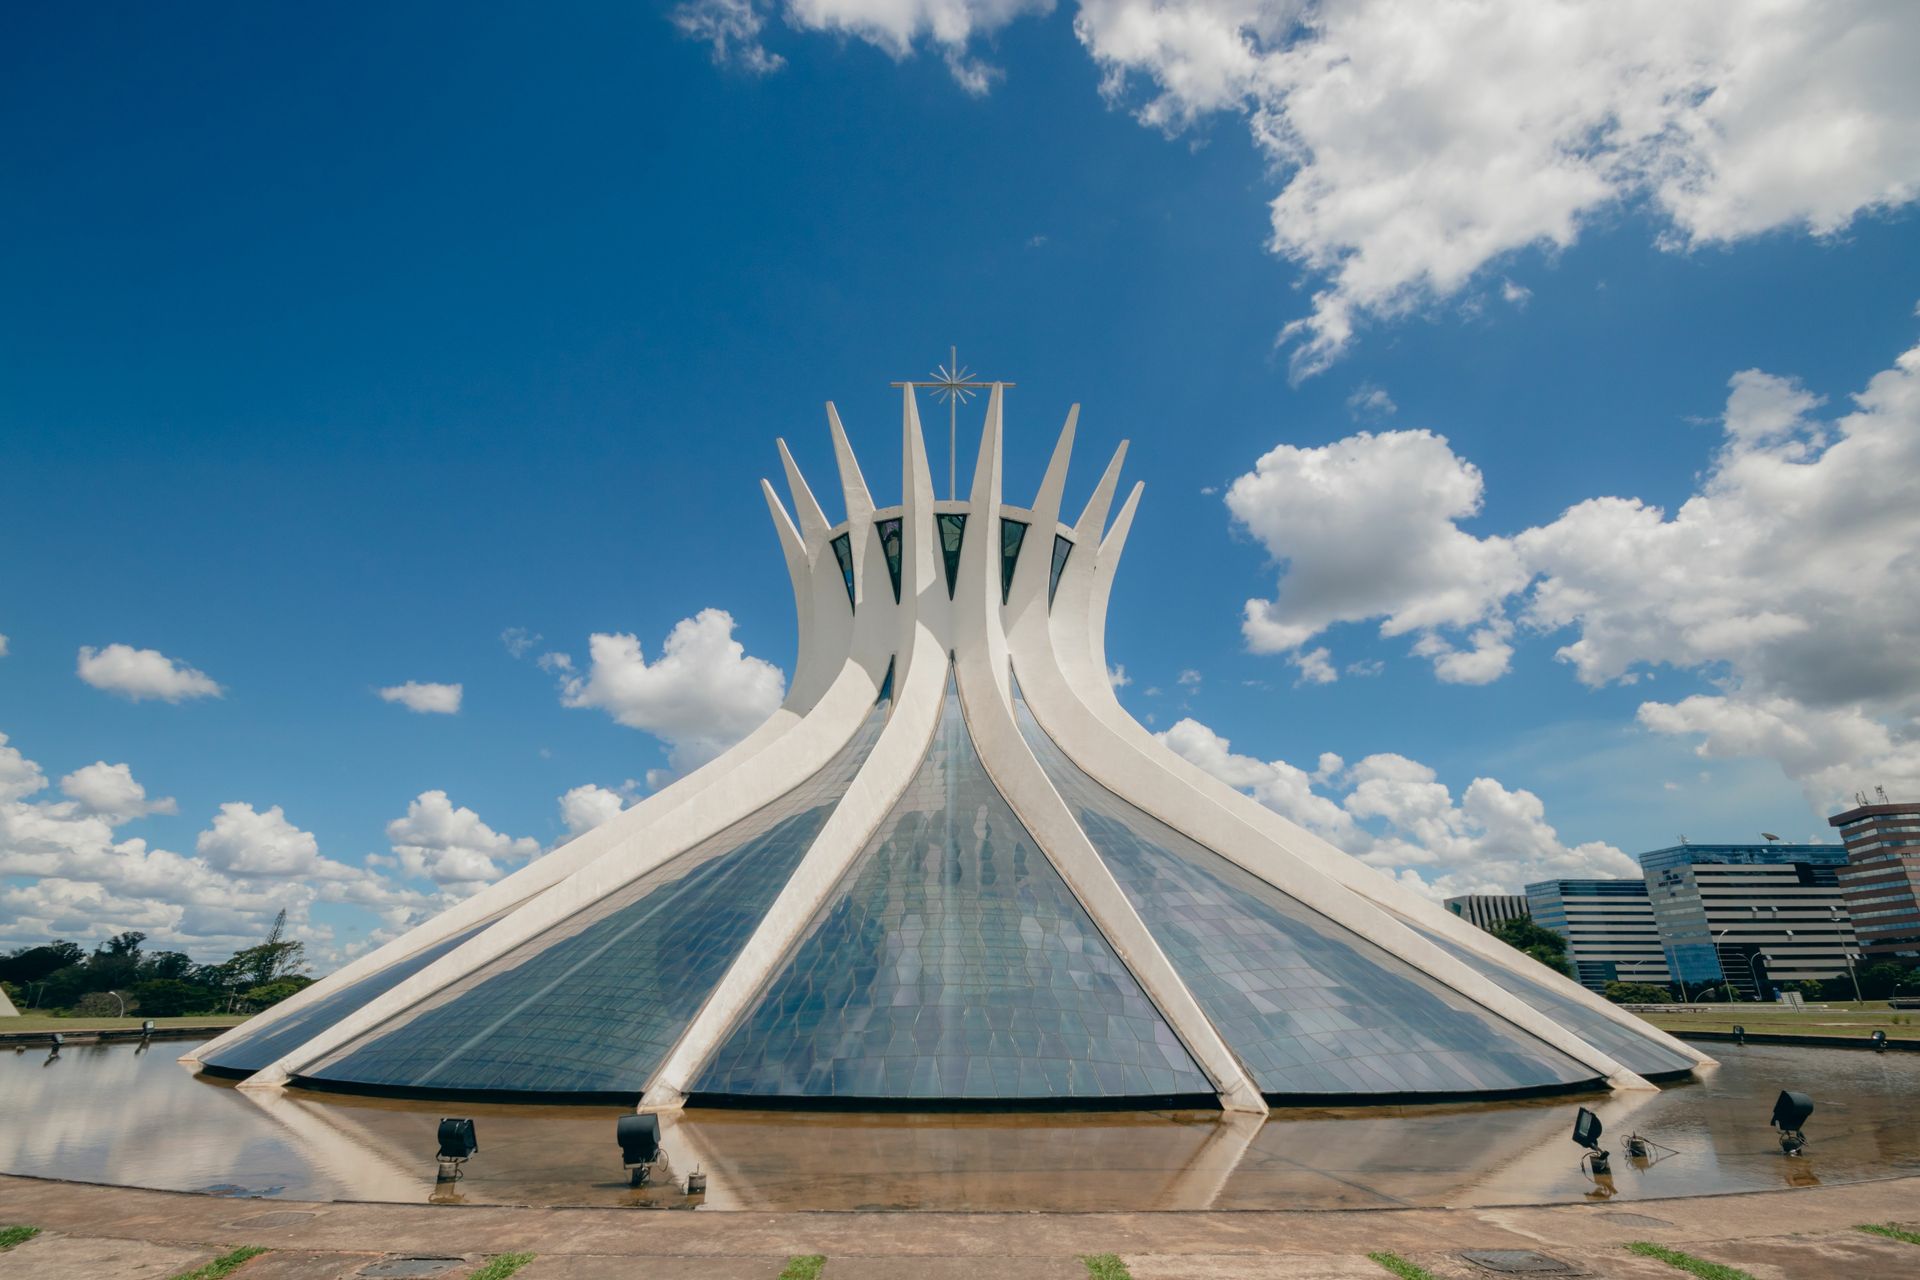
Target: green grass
<point x="224" y="1265"/>
<point x="1402" y="1268"/>
<point x="1105" y="1266"/>
<point x="1847" y="1020"/>
<point x="11" y="1236"/>
<point x="1688" y="1263"/>
<point x="502" y="1265"/>
<point x="47" y="1022"/>
<point x="804" y="1266"/>
<point x="1886" y="1229"/>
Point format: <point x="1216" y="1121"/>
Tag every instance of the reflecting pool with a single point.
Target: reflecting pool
<point x="107" y="1113"/>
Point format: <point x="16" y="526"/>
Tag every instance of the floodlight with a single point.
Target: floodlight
<point x="1790" y="1112"/>
<point x="1739" y="1034"/>
<point x="146" y="1027"/>
<point x="1586" y="1133"/>
<point x="458" y="1142"/>
<point x="1879" y="1039"/>
<point x="639" y="1139"/>
<point x="696" y="1183"/>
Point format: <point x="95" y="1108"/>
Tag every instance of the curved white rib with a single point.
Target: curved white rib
<point x="1077" y="643"/>
<point x="814" y="668"/>
<point x="1117" y="765"/>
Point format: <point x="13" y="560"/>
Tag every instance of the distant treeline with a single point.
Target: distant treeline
<point x="64" y="978"/>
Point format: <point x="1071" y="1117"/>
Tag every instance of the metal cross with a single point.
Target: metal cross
<point x="955" y="385"/>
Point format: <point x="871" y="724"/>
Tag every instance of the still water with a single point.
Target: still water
<point x="106" y="1113"/>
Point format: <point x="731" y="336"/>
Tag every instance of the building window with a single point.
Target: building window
<point x="952" y="528"/>
<point x="1062" y="548"/>
<point x="1012" y="534"/>
<point x="890" y="544"/>
<point x="843" y="552"/>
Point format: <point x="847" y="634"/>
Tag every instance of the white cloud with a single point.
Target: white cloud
<point x="1369" y="401"/>
<point x="1421" y="143"/>
<point x="65" y="873"/>
<point x="109" y="791"/>
<point x="3" y="645"/>
<point x="1316" y="666"/>
<point x="1366" y="527"/>
<point x="1188" y="679"/>
<point x="427" y="699"/>
<point x="1396" y="815"/>
<point x="1517" y="295"/>
<point x="702" y="694"/>
<point x="518" y="641"/>
<point x="451" y="846"/>
<point x="588" y="806"/>
<point x="733" y="28"/>
<point x="559" y="663"/>
<point x="1790" y="577"/>
<point x="143" y="673"/>
<point x="1117" y="677"/>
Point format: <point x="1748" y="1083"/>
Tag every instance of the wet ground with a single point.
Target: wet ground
<point x="106" y="1113"/>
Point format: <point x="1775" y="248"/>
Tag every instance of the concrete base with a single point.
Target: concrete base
<point x="110" y="1231"/>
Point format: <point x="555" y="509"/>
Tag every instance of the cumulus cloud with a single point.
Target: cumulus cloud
<point x="66" y="872"/>
<point x="1117" y="676"/>
<point x="1369" y="401"/>
<point x="451" y="846"/>
<point x="700" y="696"/>
<point x="1790" y="578"/>
<point x="426" y="699"/>
<point x="109" y="791"/>
<point x="1394" y="813"/>
<point x="588" y="806"/>
<point x="143" y="673"/>
<point x="1418" y="144"/>
<point x="518" y="641"/>
<point x="1316" y="666"/>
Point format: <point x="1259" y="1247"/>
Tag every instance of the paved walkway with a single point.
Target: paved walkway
<point x="111" y="1233"/>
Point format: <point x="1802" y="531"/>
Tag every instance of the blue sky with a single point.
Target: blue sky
<point x="332" y="349"/>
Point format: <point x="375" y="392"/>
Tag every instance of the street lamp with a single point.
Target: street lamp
<point x="123" y="1003"/>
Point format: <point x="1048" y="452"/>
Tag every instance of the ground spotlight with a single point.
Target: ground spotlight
<point x="146" y="1037"/>
<point x="1739" y="1034"/>
<point x="1586" y="1133"/>
<point x="457" y="1144"/>
<point x="1790" y="1112"/>
<point x="54" y="1042"/>
<point x="639" y="1138"/>
<point x="1879" y="1039"/>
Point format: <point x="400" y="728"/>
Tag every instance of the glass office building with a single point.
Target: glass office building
<point x="1750" y="917"/>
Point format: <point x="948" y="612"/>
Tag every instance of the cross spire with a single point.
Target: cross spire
<point x="955" y="384"/>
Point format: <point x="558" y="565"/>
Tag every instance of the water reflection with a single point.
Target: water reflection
<point x="104" y="1113"/>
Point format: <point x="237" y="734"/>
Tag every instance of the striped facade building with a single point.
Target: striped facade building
<point x="1609" y="927"/>
<point x="1752" y="916"/>
<point x="1488" y="910"/>
<point x="1882" y="878"/>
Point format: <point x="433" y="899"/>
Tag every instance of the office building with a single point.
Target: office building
<point x="1751" y="916"/>
<point x="1882" y="877"/>
<point x="1609" y="928"/>
<point x="1487" y="910"/>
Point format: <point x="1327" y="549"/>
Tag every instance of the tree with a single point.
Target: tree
<point x="1877" y="981"/>
<point x="1544" y="945"/>
<point x="32" y="964"/>
<point x="1638" y="993"/>
<point x="163" y="965"/>
<point x="169" y="998"/>
<point x="1809" y="988"/>
<point x="270" y="993"/>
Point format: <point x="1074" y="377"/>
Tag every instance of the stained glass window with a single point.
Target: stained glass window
<point x="1062" y="548"/>
<point x="953" y="962"/>
<point x="1311" y="1008"/>
<point x="1012" y="534"/>
<point x="843" y="552"/>
<point x="952" y="528"/>
<point x="890" y="544"/>
<point x="592" y="1005"/>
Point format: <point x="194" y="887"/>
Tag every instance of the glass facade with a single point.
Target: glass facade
<point x="843" y="552"/>
<point x="1310" y="1007"/>
<point x="269" y="1044"/>
<point x="952" y="962"/>
<point x="1012" y="534"/>
<point x="890" y="544"/>
<point x="593" y="1005"/>
<point x="952" y="529"/>
<point x="1062" y="548"/>
<point x="1636" y="1052"/>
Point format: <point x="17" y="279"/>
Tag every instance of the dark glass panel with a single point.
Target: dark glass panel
<point x="1309" y="1006"/>
<point x="952" y="962"/>
<point x="952" y="529"/>
<point x="593" y="1004"/>
<point x="274" y="1041"/>
<point x="1062" y="548"/>
<point x="843" y="552"/>
<point x="1012" y="534"/>
<point x="1636" y="1052"/>
<point x="890" y="544"/>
